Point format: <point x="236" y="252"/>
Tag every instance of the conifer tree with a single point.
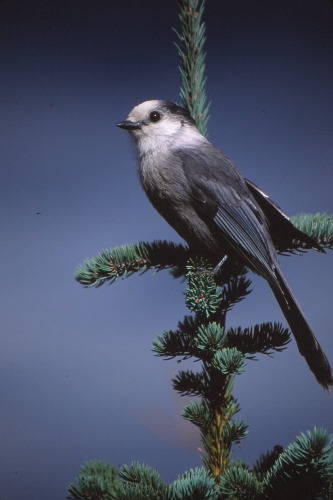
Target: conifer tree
<point x="302" y="470"/>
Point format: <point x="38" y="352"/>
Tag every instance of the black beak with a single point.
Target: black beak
<point x="128" y="125"/>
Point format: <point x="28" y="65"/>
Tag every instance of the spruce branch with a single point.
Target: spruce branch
<point x="234" y="291"/>
<point x="235" y="431"/>
<point x="304" y="469"/>
<point x="228" y="361"/>
<point x="192" y="60"/>
<point x="139" y="473"/>
<point x="188" y="383"/>
<point x="202" y="295"/>
<point x="263" y="338"/>
<point x="194" y="484"/>
<point x="188" y="325"/>
<point x="198" y="414"/>
<point x="123" y="261"/>
<point x="222" y="353"/>
<point x="178" y="342"/>
<point x="209" y="339"/>
<point x="136" y="482"/>
<point x="319" y="226"/>
<point x="266" y="461"/>
<point x="238" y="483"/>
<point x="172" y="344"/>
<point x="217" y="449"/>
<point x="95" y="480"/>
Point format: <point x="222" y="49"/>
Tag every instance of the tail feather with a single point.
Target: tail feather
<point x="306" y="340"/>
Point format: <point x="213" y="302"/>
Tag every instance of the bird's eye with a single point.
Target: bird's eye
<point x="154" y="116"/>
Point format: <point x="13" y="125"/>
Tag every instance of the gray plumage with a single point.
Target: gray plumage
<point x="201" y="194"/>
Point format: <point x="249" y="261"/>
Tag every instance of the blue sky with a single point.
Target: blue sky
<point x="78" y="378"/>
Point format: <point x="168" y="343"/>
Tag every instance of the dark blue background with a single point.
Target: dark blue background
<point x="78" y="380"/>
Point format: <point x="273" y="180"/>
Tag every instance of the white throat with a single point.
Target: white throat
<point x="169" y="134"/>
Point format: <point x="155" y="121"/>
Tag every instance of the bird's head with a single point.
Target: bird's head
<point x="156" y="123"/>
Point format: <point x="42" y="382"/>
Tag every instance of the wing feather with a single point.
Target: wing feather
<point x="224" y="202"/>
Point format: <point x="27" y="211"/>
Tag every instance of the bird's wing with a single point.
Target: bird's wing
<point x="284" y="234"/>
<point x="223" y="201"/>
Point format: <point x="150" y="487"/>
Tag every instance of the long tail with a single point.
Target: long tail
<point x="306" y="340"/>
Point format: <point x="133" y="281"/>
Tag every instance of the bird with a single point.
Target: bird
<point x="198" y="190"/>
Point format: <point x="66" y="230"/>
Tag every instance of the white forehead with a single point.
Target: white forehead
<point x="170" y="130"/>
<point x="144" y="109"/>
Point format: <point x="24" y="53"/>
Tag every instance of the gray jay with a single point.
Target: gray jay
<point x="201" y="194"/>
